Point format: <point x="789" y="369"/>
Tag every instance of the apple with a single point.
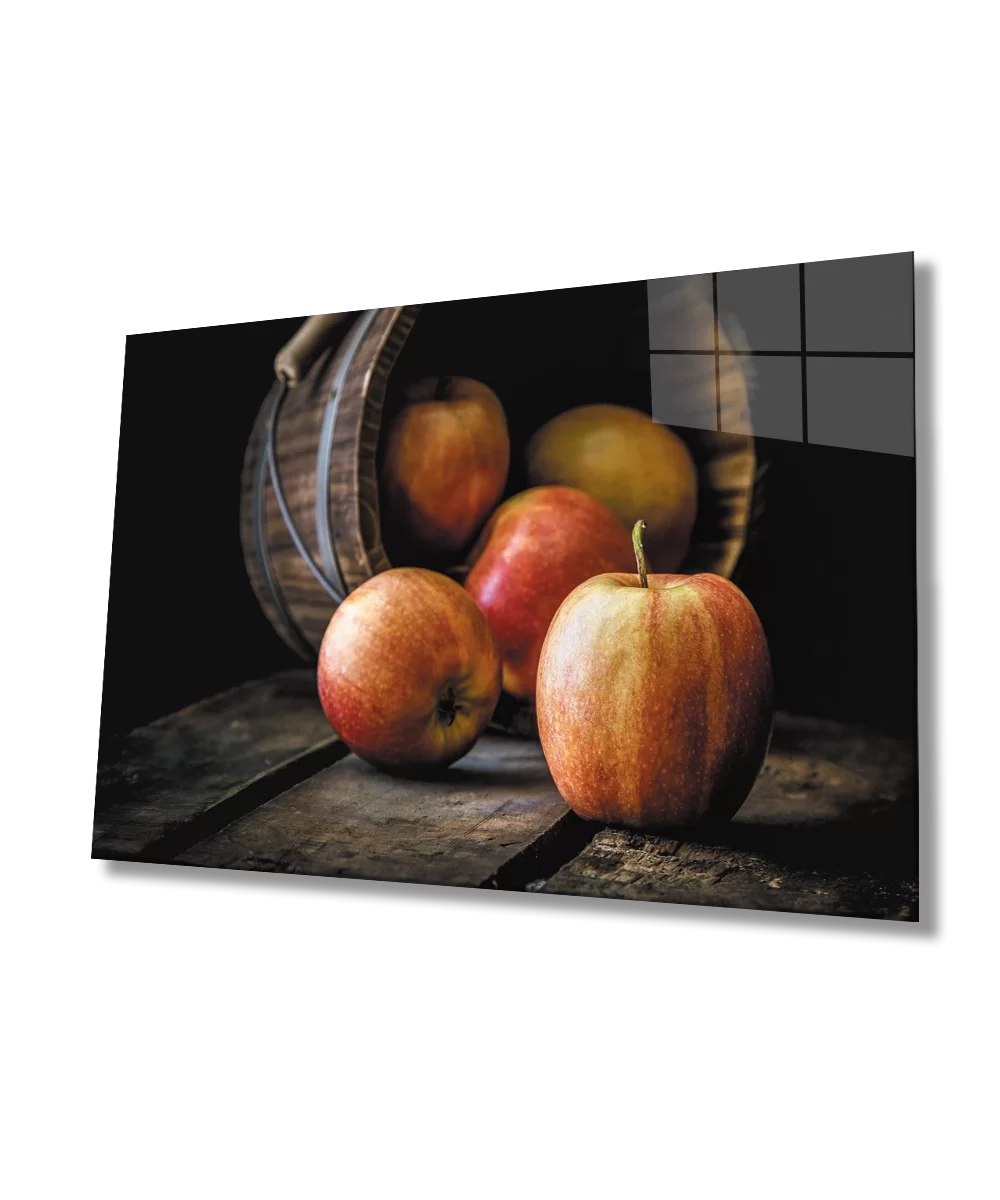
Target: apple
<point x="637" y="467"/>
<point x="655" y="698"/>
<point x="536" y="548"/>
<point x="409" y="674"/>
<point x="445" y="464"/>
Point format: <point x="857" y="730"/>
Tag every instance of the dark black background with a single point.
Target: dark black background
<point x="831" y="573"/>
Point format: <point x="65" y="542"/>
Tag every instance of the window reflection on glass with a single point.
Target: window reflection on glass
<point x="817" y="352"/>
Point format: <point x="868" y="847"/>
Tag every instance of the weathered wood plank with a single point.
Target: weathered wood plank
<point x="461" y="827"/>
<point x="829" y="828"/>
<point x="180" y="778"/>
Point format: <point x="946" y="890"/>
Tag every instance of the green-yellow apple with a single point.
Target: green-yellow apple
<point x="638" y="468"/>
<point x="655" y="698"/>
<point x="536" y="548"/>
<point x="409" y="674"/>
<point x="445" y="464"/>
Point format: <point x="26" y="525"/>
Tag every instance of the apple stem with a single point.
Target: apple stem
<point x="640" y="554"/>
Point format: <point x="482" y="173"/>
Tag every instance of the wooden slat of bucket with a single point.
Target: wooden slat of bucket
<point x="354" y="491"/>
<point x="195" y="769"/>
<point x="297" y="438"/>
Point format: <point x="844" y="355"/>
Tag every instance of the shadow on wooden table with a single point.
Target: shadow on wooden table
<point x="883" y="844"/>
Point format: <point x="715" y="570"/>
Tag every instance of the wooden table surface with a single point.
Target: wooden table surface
<point x="255" y="779"/>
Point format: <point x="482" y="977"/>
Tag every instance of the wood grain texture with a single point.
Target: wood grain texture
<point x="353" y="487"/>
<point x="208" y="763"/>
<point x="829" y="828"/>
<point x="297" y="439"/>
<point x="254" y="779"/>
<point x="461" y="827"/>
<point x="354" y="493"/>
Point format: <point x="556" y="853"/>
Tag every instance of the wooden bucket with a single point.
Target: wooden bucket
<point x="317" y="536"/>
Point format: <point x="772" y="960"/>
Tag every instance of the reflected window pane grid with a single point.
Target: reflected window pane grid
<point x="727" y="353"/>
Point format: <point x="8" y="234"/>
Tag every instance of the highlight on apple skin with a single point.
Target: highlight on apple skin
<point x="409" y="674"/>
<point x="447" y="453"/>
<point x="536" y="548"/>
<point x="655" y="699"/>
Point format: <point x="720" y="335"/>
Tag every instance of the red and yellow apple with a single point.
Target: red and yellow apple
<point x="655" y="699"/>
<point x="536" y="548"/>
<point x="445" y="464"/>
<point x="637" y="467"/>
<point x="409" y="674"/>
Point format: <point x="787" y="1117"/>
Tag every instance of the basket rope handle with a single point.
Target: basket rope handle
<point x="293" y="360"/>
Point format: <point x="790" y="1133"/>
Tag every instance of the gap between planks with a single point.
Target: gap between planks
<point x="171" y="786"/>
<point x="493" y="819"/>
<point x="170" y="783"/>
<point x="826" y="829"/>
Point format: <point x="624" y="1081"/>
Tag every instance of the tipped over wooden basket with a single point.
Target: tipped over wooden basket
<point x="316" y="536"/>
